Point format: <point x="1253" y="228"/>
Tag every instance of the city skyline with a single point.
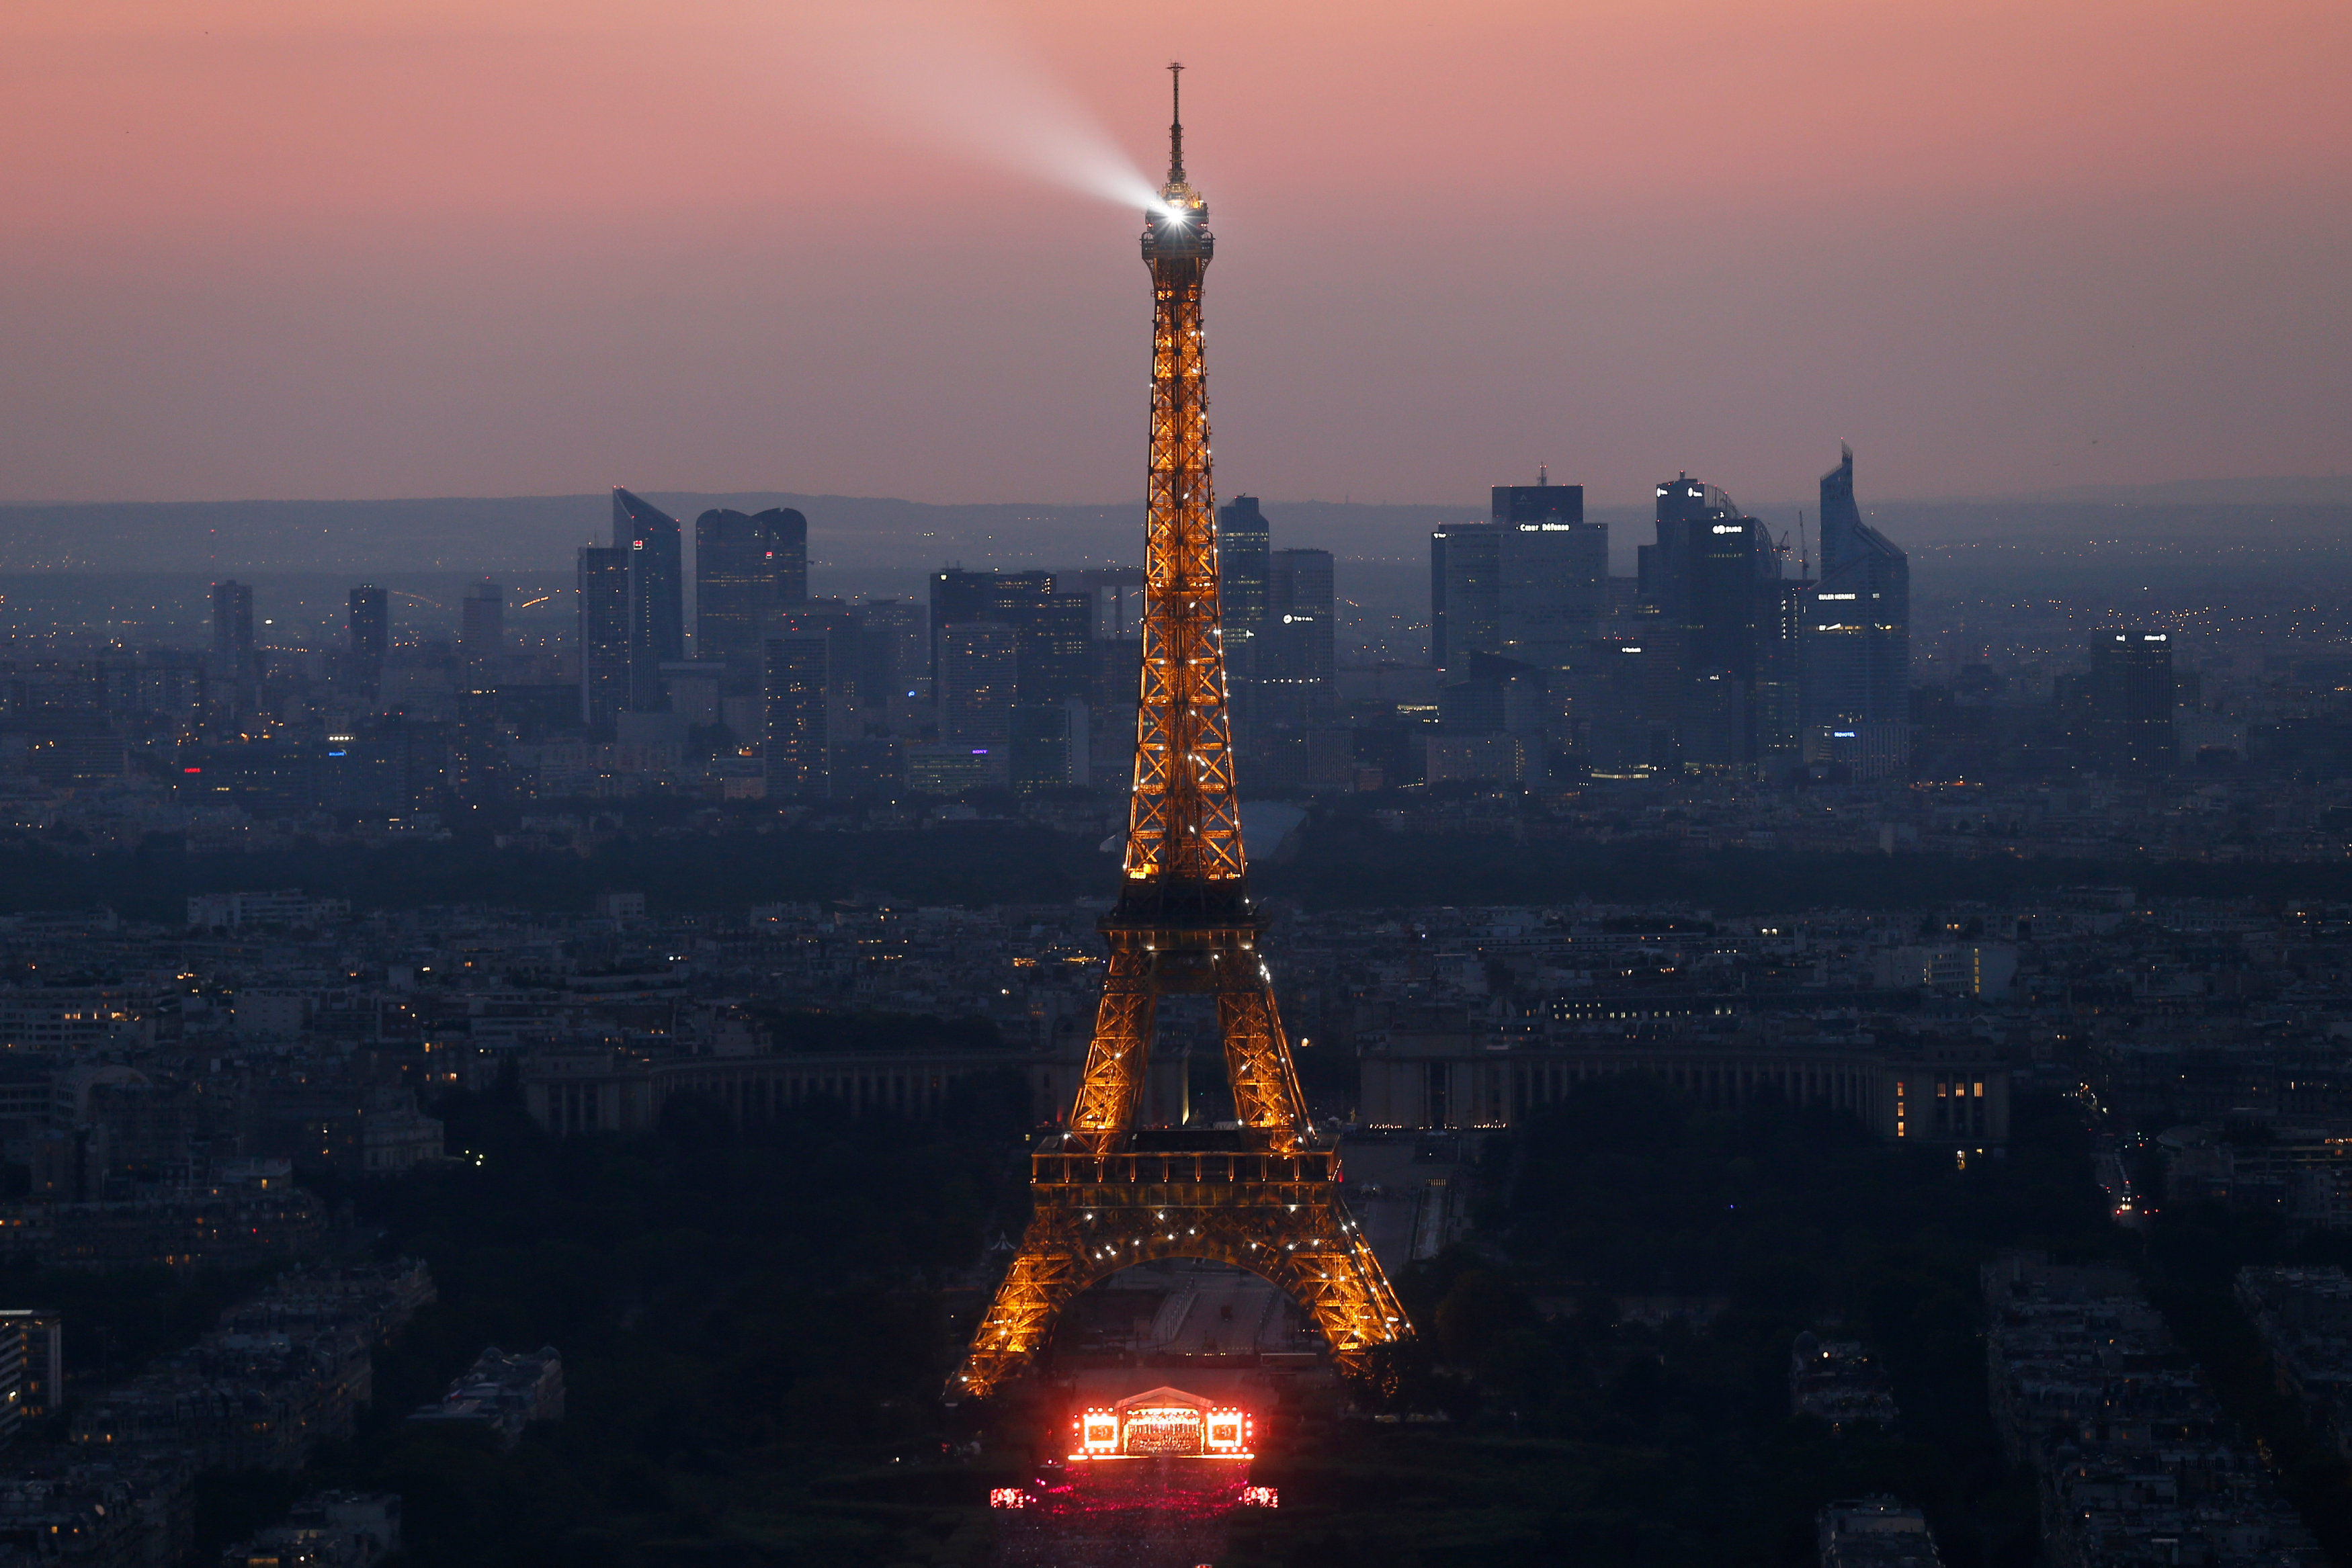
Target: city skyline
<point x="2002" y="253"/>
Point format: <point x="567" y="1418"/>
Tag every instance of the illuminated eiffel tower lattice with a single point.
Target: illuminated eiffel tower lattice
<point x="1268" y="1200"/>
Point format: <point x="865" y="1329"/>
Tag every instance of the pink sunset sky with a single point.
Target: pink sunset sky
<point x="430" y="247"/>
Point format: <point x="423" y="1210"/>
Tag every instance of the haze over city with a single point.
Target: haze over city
<point x="510" y="248"/>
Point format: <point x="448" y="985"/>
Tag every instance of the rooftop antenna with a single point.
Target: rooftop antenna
<point x="1175" y="122"/>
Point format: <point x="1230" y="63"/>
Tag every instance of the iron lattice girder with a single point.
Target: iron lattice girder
<point x="1148" y="961"/>
<point x="1267" y="1098"/>
<point x="1184" y="818"/>
<point x="1295" y="1234"/>
<point x="1121" y="1050"/>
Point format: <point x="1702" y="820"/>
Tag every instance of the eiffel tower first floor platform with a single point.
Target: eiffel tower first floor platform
<point x="1279" y="1215"/>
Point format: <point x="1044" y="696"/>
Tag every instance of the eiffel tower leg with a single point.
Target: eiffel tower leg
<point x="1121" y="1048"/>
<point x="1257" y="1063"/>
<point x="1295" y="1234"/>
<point x="1324" y="1263"/>
<point x="1048" y="1271"/>
<point x="1315" y="1253"/>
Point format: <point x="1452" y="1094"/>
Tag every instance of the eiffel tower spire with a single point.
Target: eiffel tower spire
<point x="1175" y="122"/>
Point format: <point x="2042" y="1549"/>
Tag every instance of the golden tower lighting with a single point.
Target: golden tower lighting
<point x="1268" y="1201"/>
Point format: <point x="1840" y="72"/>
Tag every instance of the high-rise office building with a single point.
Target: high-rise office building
<point x="977" y="684"/>
<point x="1856" y="672"/>
<point x="1623" y="700"/>
<point x="236" y="665"/>
<point x="655" y="551"/>
<point x="890" y="649"/>
<point x="1779" y="673"/>
<point x="2132" y="689"/>
<point x="1298" y="643"/>
<point x="746" y="568"/>
<point x="603" y="636"/>
<point x="1465" y="592"/>
<point x="1113" y="694"/>
<point x="1551" y="572"/>
<point x="1054" y="629"/>
<point x="844" y="626"/>
<point x="482" y="634"/>
<point x="1682" y="503"/>
<point x="1048" y="745"/>
<point x="1116" y="594"/>
<point x="1717" y="730"/>
<point x="1007" y="598"/>
<point x="43" y="1390"/>
<point x="798" y="689"/>
<point x="1287" y="678"/>
<point x="1057" y="645"/>
<point x="831" y="736"/>
<point x="476" y="748"/>
<point x="1713" y="579"/>
<point x="1244" y="544"/>
<point x="789" y="528"/>
<point x="1725" y="561"/>
<point x="371" y="635"/>
<point x="12" y="1378"/>
<point x="1488" y="693"/>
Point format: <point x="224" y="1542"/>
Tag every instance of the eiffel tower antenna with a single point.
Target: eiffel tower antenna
<point x="1265" y="1198"/>
<point x="1176" y="123"/>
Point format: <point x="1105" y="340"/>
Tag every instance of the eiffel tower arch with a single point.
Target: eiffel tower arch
<point x="1106" y="1197"/>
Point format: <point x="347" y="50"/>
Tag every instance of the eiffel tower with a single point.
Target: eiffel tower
<point x="1267" y="1200"/>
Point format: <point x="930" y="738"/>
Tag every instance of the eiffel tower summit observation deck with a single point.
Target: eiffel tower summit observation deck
<point x="1266" y="1199"/>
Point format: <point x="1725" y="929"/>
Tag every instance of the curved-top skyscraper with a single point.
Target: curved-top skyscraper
<point x="1856" y="678"/>
<point x="652" y="544"/>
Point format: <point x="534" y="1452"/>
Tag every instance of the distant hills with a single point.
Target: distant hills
<point x="2329" y="490"/>
<point x="509" y="533"/>
<point x="2301" y="523"/>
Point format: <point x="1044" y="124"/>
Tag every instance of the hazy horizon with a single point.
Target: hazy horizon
<point x="2250" y="489"/>
<point x="2302" y="535"/>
